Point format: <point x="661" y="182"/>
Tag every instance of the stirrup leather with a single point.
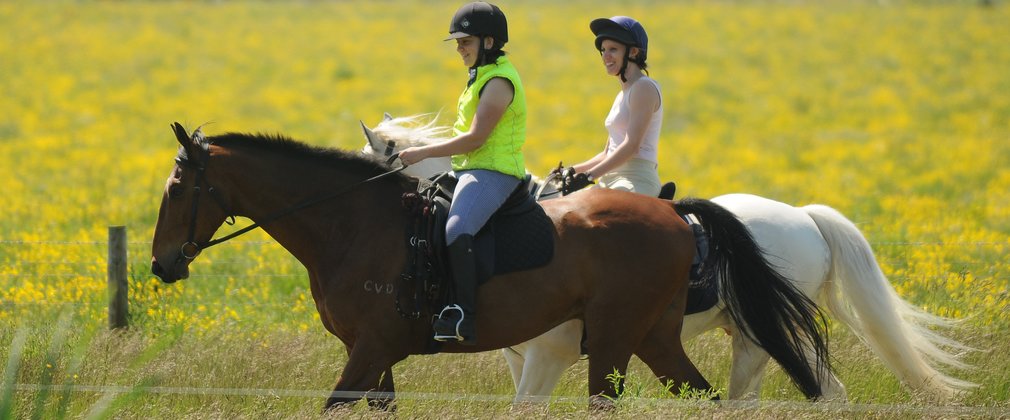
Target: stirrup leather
<point x="440" y="335"/>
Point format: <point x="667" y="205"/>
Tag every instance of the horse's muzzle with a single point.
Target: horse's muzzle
<point x="166" y="276"/>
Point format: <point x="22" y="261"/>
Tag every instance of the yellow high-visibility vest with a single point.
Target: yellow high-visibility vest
<point x="502" y="151"/>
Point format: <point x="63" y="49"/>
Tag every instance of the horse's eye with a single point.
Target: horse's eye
<point x="175" y="191"/>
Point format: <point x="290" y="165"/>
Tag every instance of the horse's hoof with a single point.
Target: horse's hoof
<point x="601" y="403"/>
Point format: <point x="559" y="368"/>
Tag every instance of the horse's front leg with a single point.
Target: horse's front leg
<point x="368" y="374"/>
<point x="747" y="369"/>
<point x="383" y="398"/>
<point x="607" y="371"/>
<point x="608" y="365"/>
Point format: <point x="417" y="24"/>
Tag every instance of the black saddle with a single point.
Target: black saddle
<point x="519" y="236"/>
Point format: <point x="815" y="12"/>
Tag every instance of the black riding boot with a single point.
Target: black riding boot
<point x="456" y="322"/>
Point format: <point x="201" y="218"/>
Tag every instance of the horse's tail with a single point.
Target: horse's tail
<point x="766" y="306"/>
<point x="900" y="334"/>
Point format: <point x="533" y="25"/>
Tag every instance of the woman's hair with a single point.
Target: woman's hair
<point x="639" y="61"/>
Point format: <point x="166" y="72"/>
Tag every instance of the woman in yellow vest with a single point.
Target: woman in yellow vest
<point x="486" y="152"/>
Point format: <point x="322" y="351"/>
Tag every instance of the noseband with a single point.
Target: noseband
<point x="190" y="249"/>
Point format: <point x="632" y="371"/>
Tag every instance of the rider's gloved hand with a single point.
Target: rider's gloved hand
<point x="576" y="182"/>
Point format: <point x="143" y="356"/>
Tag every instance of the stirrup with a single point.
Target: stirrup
<point x="455" y="334"/>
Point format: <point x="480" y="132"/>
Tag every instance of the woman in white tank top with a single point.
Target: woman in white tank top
<point x="629" y="160"/>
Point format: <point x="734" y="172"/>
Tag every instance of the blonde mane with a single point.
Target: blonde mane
<point x="413" y="130"/>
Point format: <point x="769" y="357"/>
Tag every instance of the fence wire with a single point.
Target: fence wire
<point x="932" y="411"/>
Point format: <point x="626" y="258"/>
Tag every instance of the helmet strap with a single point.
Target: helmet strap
<point x="624" y="65"/>
<point x="481" y="52"/>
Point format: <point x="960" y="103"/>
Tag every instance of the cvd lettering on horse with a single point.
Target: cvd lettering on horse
<point x="378" y="288"/>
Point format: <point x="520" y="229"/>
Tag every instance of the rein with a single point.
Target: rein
<point x="201" y="179"/>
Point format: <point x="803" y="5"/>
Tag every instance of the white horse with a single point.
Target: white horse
<point x="816" y="247"/>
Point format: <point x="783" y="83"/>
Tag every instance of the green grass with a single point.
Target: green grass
<point x="134" y="374"/>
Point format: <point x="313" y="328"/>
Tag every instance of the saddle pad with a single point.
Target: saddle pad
<point x="523" y="240"/>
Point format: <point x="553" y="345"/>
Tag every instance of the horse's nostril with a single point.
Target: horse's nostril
<point x="156" y="268"/>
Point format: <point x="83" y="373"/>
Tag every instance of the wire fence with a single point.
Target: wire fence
<point x="932" y="411"/>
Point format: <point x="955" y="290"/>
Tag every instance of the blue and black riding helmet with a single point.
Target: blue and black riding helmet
<point x="625" y="30"/>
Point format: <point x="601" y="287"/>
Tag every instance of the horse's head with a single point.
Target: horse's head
<point x="190" y="211"/>
<point x="394" y="134"/>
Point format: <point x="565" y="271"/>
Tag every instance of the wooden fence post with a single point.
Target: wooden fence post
<point x="118" y="304"/>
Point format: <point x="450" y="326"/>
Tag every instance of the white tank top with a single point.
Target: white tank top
<point x="617" y="124"/>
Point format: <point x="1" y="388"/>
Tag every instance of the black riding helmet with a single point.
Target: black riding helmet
<point x="625" y="30"/>
<point x="480" y="19"/>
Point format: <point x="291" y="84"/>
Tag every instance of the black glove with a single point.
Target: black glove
<point x="573" y="183"/>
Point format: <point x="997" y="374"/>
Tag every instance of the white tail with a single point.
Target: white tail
<point x="860" y="295"/>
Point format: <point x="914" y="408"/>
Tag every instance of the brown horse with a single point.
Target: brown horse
<point x="620" y="260"/>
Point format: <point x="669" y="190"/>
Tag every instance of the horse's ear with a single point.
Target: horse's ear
<point x="180" y="133"/>
<point x="386" y="117"/>
<point x="373" y="139"/>
<point x="183" y="138"/>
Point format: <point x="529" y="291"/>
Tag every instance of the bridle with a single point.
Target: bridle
<point x="190" y="249"/>
<point x="201" y="180"/>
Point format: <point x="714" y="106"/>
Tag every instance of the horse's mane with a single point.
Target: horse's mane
<point x="279" y="145"/>
<point x="412" y="130"/>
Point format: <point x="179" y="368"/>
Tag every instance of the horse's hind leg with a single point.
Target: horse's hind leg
<point x="664" y="352"/>
<point x="747" y="372"/>
<point x="831" y="388"/>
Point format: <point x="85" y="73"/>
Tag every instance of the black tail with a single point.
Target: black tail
<point x="769" y="309"/>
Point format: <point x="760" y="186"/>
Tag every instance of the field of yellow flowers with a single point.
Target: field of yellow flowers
<point x="895" y="113"/>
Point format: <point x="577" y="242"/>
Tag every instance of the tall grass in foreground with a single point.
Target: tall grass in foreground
<point x="132" y="374"/>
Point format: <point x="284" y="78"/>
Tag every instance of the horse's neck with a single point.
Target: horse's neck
<point x="262" y="190"/>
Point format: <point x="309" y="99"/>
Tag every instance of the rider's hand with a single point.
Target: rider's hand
<point x="573" y="183"/>
<point x="412" y="155"/>
<point x="581" y="180"/>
